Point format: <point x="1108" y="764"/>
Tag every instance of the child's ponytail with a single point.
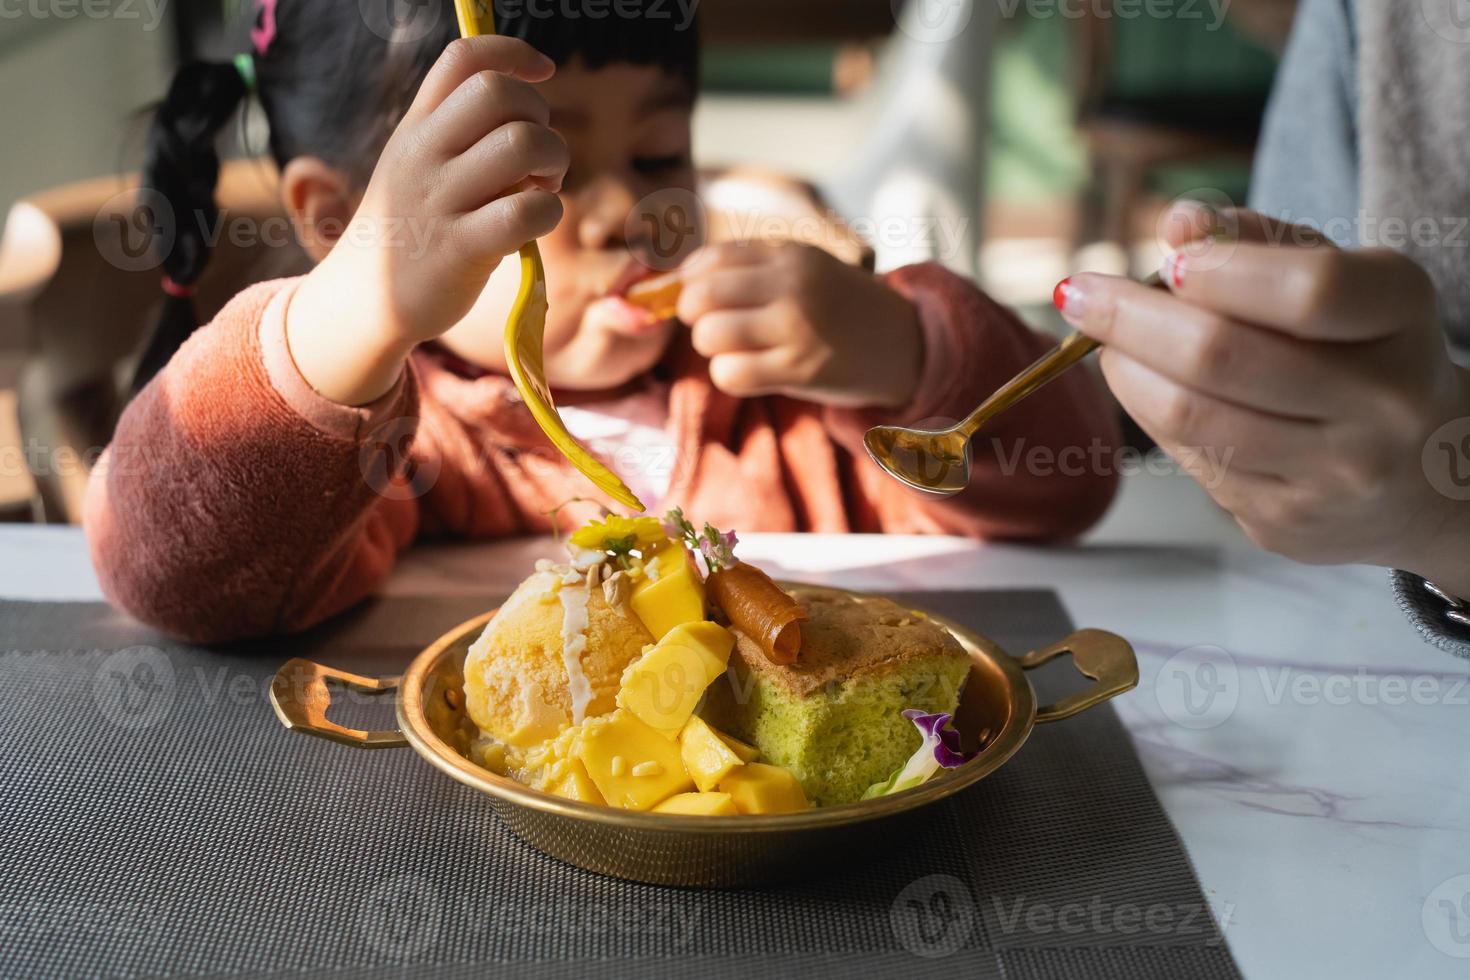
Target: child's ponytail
<point x="182" y="169"/>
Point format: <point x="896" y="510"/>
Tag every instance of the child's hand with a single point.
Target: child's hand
<point x="793" y="320"/>
<point x="470" y="175"/>
<point x="1321" y="372"/>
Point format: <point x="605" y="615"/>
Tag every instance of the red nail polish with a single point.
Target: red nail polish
<point x="1174" y="269"/>
<point x="1059" y="295"/>
<point x="1070" y="299"/>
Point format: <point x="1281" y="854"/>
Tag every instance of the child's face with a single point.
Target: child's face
<point x="628" y="128"/>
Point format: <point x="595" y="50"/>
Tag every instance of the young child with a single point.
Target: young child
<point x="412" y="167"/>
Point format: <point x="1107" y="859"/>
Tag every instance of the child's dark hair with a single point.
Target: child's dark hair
<point x="334" y="84"/>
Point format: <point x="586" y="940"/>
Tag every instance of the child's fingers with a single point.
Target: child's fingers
<point x="507" y="223"/>
<point x="726" y="288"/>
<point x="731" y="332"/>
<point x="466" y="57"/>
<point x="724" y="255"/>
<point x="1320" y="294"/>
<point x="1205" y="350"/>
<point x="513" y="153"/>
<point x="747" y="374"/>
<point x="484" y="103"/>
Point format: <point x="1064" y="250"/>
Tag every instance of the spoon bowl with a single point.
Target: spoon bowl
<point x="933" y="461"/>
<point x="937" y="461"/>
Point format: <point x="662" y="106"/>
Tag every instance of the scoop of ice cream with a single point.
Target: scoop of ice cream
<point x="553" y="655"/>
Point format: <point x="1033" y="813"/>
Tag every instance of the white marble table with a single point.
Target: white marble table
<point x="1309" y="748"/>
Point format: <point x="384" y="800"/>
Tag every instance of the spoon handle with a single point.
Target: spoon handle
<point x="1049" y="366"/>
<point x="1073" y="348"/>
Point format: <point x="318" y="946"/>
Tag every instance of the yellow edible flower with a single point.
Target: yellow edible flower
<point x="619" y="534"/>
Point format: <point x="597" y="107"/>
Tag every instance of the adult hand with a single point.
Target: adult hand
<point x="1316" y="374"/>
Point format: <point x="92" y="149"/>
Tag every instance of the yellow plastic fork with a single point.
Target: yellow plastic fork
<point x="525" y="329"/>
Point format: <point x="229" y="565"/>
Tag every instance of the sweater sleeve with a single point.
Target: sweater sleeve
<point x="235" y="501"/>
<point x="1042" y="470"/>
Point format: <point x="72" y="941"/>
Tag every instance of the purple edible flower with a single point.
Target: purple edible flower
<point x="718" y="549"/>
<point x="939" y="750"/>
<point x="945" y="741"/>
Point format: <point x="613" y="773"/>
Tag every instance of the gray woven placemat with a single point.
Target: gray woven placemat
<point x="159" y="821"/>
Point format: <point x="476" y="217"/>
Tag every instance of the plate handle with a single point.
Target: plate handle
<point x="1105" y="657"/>
<point x="300" y="695"/>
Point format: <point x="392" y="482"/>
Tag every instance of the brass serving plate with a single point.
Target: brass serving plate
<point x="997" y="713"/>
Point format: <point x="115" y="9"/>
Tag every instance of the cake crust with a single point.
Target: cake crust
<point x="850" y="637"/>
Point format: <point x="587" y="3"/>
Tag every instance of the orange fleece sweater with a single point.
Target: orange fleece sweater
<point x="234" y="501"/>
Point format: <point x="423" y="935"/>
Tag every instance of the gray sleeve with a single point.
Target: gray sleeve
<point x="1307" y="170"/>
<point x="1307" y="163"/>
<point x="1443" y="620"/>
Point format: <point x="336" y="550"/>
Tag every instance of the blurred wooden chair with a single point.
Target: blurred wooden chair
<point x="80" y="312"/>
<point x="1156" y="92"/>
<point x="79" y="308"/>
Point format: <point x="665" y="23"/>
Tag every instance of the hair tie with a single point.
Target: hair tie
<point x="245" y="65"/>
<point x="264" y="32"/>
<point x="176" y="290"/>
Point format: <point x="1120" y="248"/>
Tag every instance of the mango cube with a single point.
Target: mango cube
<point x="712" y="638"/>
<point x="632" y="766"/>
<point x="672" y="594"/>
<point x="699" y="804"/>
<point x="747" y="753"/>
<point x="577" y="785"/>
<point x="664" y="686"/>
<point x="706" y="756"/>
<point x="759" y="788"/>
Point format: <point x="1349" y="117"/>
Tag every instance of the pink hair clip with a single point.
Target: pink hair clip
<point x="265" y="31"/>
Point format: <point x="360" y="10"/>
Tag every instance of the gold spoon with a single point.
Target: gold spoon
<point x="525" y="329"/>
<point x="937" y="461"/>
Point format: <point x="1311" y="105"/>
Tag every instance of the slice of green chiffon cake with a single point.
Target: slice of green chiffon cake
<point x="834" y="718"/>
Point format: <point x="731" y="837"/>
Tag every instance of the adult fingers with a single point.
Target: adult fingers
<point x="1319" y="294"/>
<point x="1187" y="422"/>
<point x="1204" y="349"/>
<point x="1189" y="222"/>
